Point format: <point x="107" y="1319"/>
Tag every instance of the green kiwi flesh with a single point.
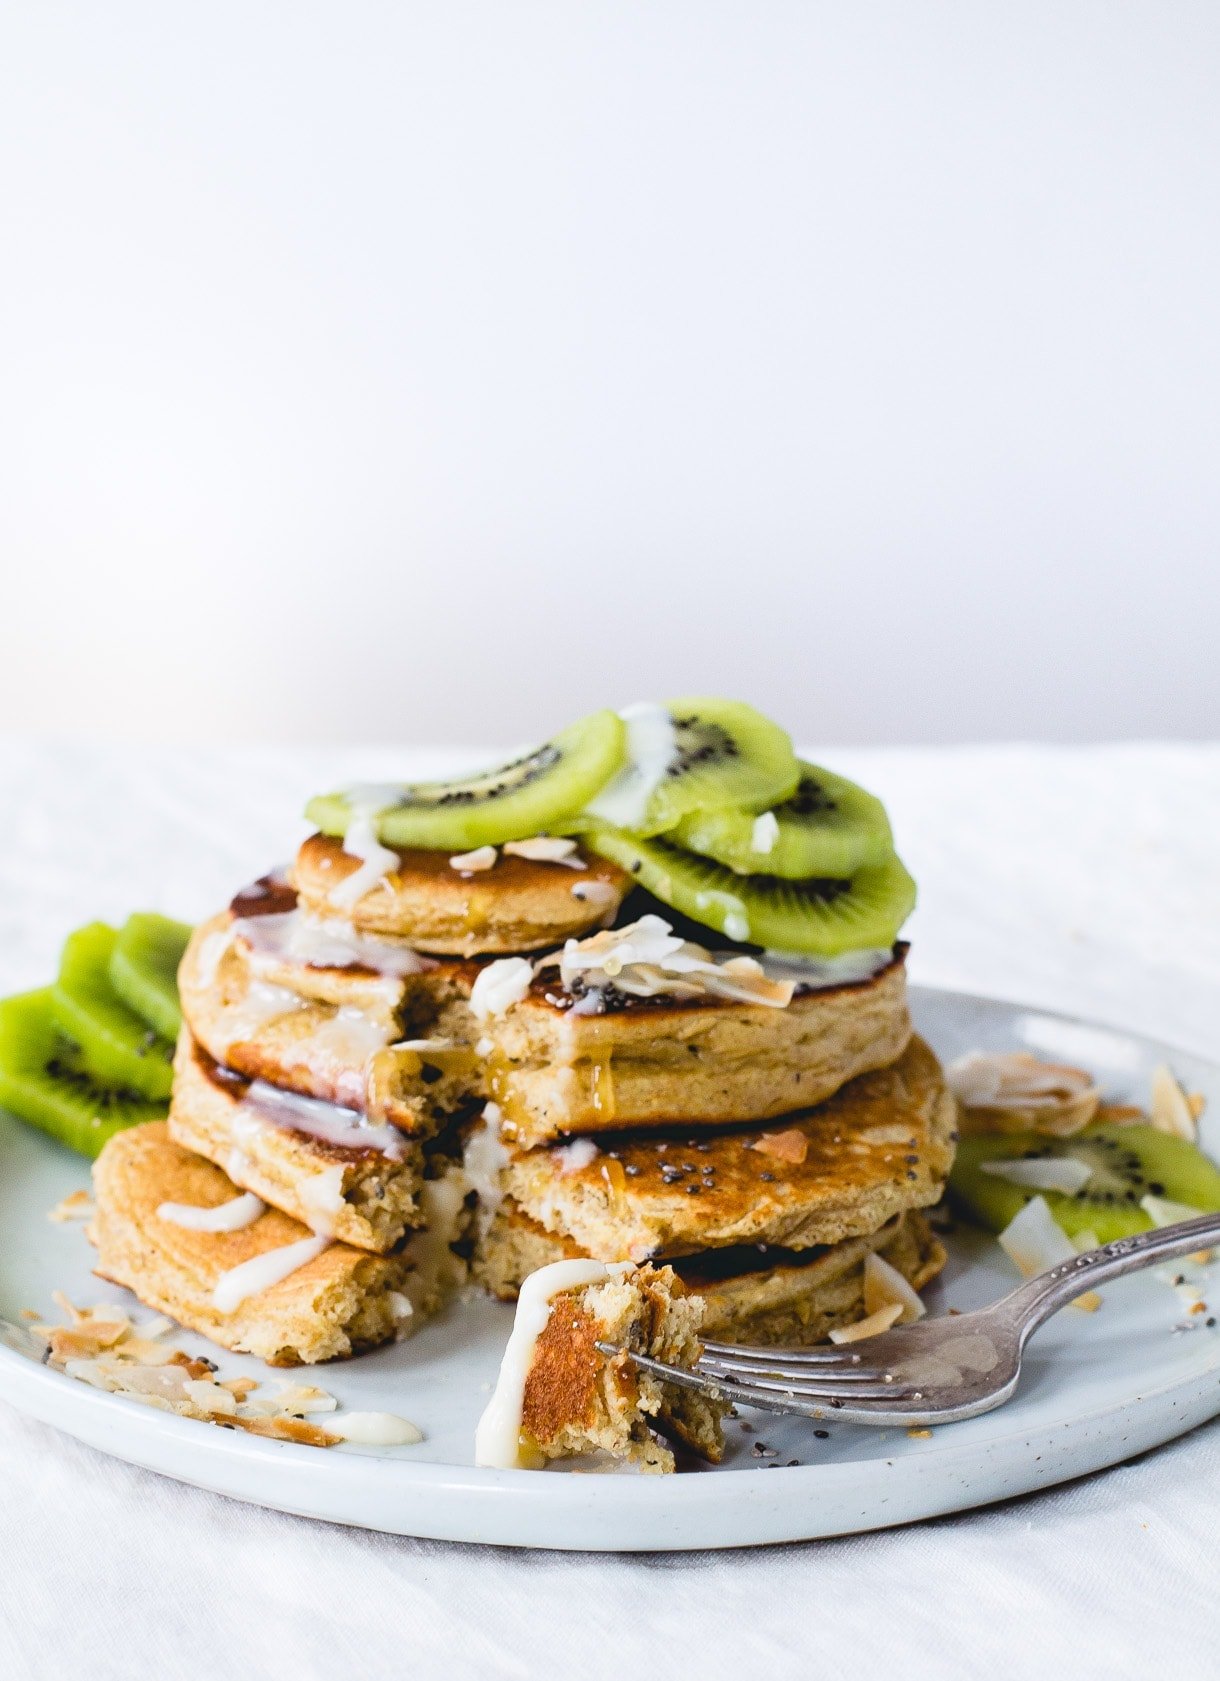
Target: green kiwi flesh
<point x="144" y="969"/>
<point x="828" y="827"/>
<point x="1128" y="1162"/>
<point x="815" y="917"/>
<point x="117" y="1047"/>
<point x="726" y="753"/>
<point x="43" y="1083"/>
<point x="527" y="797"/>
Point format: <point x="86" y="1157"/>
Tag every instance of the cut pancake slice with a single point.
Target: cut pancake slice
<point x="326" y="1050"/>
<point x="302" y="1300"/>
<point x="558" y="1396"/>
<point x="880" y="1146"/>
<point x="556" y="1067"/>
<point x="753" y="1294"/>
<point x="497" y="903"/>
<point x="326" y="1166"/>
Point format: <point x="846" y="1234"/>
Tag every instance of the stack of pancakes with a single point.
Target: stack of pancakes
<point x="466" y="1068"/>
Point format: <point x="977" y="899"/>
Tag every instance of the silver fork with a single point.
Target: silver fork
<point x="934" y="1371"/>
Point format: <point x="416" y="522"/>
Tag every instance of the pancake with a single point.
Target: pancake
<point x="750" y="1295"/>
<point x="519" y="904"/>
<point x="881" y="1146"/>
<point x="660" y="1061"/>
<point x="305" y="1158"/>
<point x="269" y="1031"/>
<point x="346" y="1034"/>
<point x="558" y="1396"/>
<point x="335" y="1303"/>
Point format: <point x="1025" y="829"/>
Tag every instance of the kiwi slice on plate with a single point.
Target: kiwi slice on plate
<point x="817" y="916"/>
<point x="691" y="755"/>
<point x="828" y="827"/>
<point x="1127" y="1163"/>
<point x="43" y="1082"/>
<point x="525" y="797"/>
<point x="144" y="969"/>
<point x="117" y="1047"/>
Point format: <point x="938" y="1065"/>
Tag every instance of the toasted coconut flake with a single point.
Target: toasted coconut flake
<point x="1041" y="1173"/>
<point x="888" y="1133"/>
<point x="871" y="1326"/>
<point x="1162" y="1211"/>
<point x="1170" y="1111"/>
<point x="78" y="1205"/>
<point x="83" y="1342"/>
<point x="1196" y="1103"/>
<point x="884" y="1286"/>
<point x="647" y="959"/>
<point x="101" y="1347"/>
<point x="283" y="1430"/>
<point x="1120" y="1115"/>
<point x="145" y="1352"/>
<point x="240" y="1386"/>
<point x="294" y="1398"/>
<point x="789" y="1146"/>
<point x="546" y="849"/>
<point x="1013" y="1091"/>
<point x="920" y="1433"/>
<point x="1034" y="1242"/>
<point x="470" y="863"/>
<point x="209" y="1397"/>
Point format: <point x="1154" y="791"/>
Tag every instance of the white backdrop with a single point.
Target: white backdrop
<point x="433" y="369"/>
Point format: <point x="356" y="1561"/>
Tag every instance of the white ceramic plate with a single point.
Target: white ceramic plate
<point x="1099" y="1388"/>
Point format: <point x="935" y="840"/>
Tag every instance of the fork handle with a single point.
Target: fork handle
<point x="1033" y="1303"/>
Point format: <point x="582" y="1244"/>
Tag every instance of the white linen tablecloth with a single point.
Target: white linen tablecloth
<point x="1087" y="879"/>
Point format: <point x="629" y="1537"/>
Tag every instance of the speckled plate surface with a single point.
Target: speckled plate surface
<point x="1099" y="1388"/>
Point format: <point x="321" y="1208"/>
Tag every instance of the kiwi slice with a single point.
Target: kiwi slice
<point x="818" y="916"/>
<point x="43" y="1082"/>
<point x="1127" y="1162"/>
<point x="828" y="827"/>
<point x="117" y="1047"/>
<point x="692" y="755"/>
<point x="526" y="797"/>
<point x="144" y="969"/>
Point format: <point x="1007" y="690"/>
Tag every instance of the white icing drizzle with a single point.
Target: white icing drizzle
<point x="764" y="833"/>
<point x="375" y="1430"/>
<point x="262" y="1003"/>
<point x="322" y="1194"/>
<point x="497" y="1441"/>
<point x="500" y="985"/>
<point x="652" y="746"/>
<point x="817" y="973"/>
<point x="483" y="1161"/>
<point x="442" y="1204"/>
<point x="211" y="954"/>
<point x="366" y="802"/>
<point x="267" y="1105"/>
<point x="570" y="1158"/>
<point x="325" y="943"/>
<point x="232" y="1216"/>
<point x="598" y="895"/>
<point x="252" y="1277"/>
<point x="349" y="1039"/>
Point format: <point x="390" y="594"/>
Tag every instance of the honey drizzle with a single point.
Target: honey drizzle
<point x="602" y="1095"/>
